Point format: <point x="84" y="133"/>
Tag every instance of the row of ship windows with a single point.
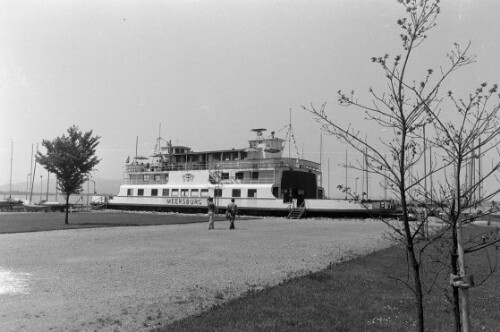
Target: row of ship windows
<point x="223" y="176"/>
<point x="189" y="192"/>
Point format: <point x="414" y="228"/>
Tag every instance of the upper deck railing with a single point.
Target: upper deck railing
<point x="256" y="164"/>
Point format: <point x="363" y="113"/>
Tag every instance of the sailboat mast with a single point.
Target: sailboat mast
<point x="328" y="177"/>
<point x="320" y="148"/>
<point x="480" y="174"/>
<point x="48" y="180"/>
<point x="320" y="158"/>
<point x="33" y="176"/>
<point x="28" y="189"/>
<point x="345" y="173"/>
<point x="11" y="158"/>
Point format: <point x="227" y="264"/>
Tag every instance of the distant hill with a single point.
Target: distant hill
<point x="102" y="186"/>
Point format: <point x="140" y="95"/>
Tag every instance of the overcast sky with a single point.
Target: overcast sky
<point x="207" y="71"/>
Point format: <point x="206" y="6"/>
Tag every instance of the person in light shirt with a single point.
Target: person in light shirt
<point x="211" y="209"/>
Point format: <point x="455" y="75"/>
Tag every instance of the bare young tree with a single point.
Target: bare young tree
<point x="403" y="110"/>
<point x="473" y="132"/>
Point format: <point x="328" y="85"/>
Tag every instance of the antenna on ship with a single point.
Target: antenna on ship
<point x="289" y="137"/>
<point x="158" y="145"/>
<point x="136" y="143"/>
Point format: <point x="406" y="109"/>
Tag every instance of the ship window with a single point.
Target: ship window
<point x="165" y="192"/>
<point x="255" y="175"/>
<point x="184" y="192"/>
<point x="157" y="177"/>
<point x="175" y="192"/>
<point x="140" y="192"/>
<point x="146" y="177"/>
<point x="224" y="176"/>
<point x="154" y="192"/>
<point x="130" y="192"/>
<point x="236" y="193"/>
<point x="238" y="175"/>
<point x="218" y="192"/>
<point x="252" y="192"/>
<point x="195" y="192"/>
<point x="204" y="192"/>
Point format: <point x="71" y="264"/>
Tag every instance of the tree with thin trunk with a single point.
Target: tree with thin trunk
<point x="402" y="109"/>
<point x="70" y="158"/>
<point x="470" y="134"/>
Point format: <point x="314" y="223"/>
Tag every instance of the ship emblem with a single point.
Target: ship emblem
<point x="188" y="177"/>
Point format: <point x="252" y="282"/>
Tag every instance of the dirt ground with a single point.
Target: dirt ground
<point x="136" y="278"/>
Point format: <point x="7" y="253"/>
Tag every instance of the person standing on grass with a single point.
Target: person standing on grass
<point x="211" y="210"/>
<point x="232" y="208"/>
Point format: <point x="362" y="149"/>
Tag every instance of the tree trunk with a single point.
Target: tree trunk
<point x="418" y="288"/>
<point x="454" y="270"/>
<point x="464" y="292"/>
<point x="67" y="210"/>
<point x="410" y="248"/>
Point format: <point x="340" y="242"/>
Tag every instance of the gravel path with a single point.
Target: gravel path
<point x="135" y="278"/>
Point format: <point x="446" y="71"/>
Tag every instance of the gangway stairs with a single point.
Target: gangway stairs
<point x="297" y="212"/>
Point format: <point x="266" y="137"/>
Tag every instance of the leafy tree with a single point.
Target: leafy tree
<point x="70" y="158"/>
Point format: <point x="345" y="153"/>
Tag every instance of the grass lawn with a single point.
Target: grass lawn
<point x="20" y="222"/>
<point x="357" y="295"/>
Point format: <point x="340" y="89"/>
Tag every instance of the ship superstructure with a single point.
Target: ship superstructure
<point x="259" y="177"/>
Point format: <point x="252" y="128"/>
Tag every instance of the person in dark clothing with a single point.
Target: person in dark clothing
<point x="232" y="208"/>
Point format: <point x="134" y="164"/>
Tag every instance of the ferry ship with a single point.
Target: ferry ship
<point x="260" y="179"/>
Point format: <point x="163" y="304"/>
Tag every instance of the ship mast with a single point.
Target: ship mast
<point x="159" y="139"/>
<point x="290" y="134"/>
<point x="136" y="143"/>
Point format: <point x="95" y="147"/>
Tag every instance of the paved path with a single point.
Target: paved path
<point x="135" y="278"/>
